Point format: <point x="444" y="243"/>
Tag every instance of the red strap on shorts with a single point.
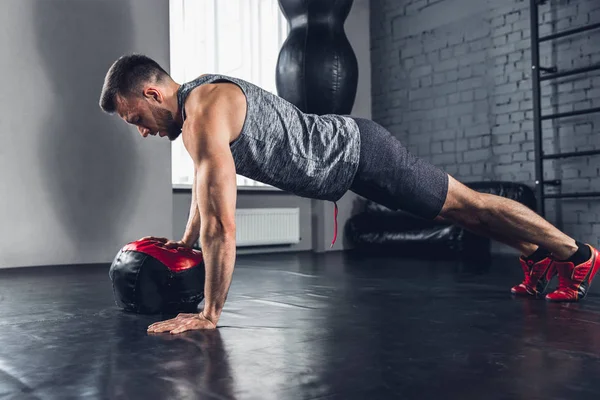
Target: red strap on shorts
<point x="335" y="213"/>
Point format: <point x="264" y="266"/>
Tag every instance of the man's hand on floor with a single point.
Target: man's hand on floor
<point x="182" y="323"/>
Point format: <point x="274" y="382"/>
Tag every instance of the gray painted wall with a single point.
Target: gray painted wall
<point x="451" y="79"/>
<point x="75" y="183"/>
<point x="316" y="221"/>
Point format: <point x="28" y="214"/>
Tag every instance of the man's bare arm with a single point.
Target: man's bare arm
<point x="216" y="200"/>
<point x="192" y="229"/>
<point x="216" y="193"/>
<point x="206" y="136"/>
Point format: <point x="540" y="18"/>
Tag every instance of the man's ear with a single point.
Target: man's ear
<point x="152" y="93"/>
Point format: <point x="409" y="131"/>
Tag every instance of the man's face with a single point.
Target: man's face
<point x="150" y="119"/>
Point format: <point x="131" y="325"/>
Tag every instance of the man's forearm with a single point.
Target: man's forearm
<point x="192" y="229"/>
<point x="218" y="250"/>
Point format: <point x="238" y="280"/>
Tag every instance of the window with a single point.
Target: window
<point x="239" y="38"/>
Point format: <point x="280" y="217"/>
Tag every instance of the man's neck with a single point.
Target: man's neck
<point x="172" y="102"/>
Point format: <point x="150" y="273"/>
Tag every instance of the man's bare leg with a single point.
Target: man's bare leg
<point x="535" y="262"/>
<point x="500" y="219"/>
<point x="526" y="249"/>
<point x="515" y="224"/>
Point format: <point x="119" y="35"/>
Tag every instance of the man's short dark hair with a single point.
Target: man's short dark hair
<point x="126" y="76"/>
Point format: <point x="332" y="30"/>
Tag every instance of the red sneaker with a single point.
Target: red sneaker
<point x="574" y="281"/>
<point x="537" y="277"/>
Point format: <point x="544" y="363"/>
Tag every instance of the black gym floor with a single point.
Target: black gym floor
<point x="303" y="326"/>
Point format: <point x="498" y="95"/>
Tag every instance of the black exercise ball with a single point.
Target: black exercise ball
<point x="148" y="278"/>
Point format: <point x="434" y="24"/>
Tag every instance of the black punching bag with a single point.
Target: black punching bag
<point x="317" y="70"/>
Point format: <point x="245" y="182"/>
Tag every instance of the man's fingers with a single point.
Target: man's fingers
<point x="187" y="325"/>
<point x="182" y="323"/>
<point x="163" y="326"/>
<point x="192" y="323"/>
<point x="174" y="321"/>
<point x="156" y="324"/>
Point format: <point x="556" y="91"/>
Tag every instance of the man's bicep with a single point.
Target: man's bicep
<point x="216" y="190"/>
<point x="207" y="141"/>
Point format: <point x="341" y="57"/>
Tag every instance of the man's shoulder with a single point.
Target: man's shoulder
<point x="215" y="108"/>
<point x="213" y="97"/>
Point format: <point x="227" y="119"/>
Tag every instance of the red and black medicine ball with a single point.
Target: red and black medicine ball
<point x="149" y="278"/>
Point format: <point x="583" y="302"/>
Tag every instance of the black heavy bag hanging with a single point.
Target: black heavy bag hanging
<point x="317" y="70"/>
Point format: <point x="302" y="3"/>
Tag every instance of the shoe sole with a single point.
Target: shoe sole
<point x="526" y="294"/>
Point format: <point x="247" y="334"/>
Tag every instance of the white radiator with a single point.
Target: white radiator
<point x="267" y="226"/>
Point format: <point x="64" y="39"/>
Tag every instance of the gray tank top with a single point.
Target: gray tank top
<point x="310" y="155"/>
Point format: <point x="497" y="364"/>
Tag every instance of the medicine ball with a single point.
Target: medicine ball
<point x="149" y="278"/>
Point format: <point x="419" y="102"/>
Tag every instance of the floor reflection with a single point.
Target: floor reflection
<point x="303" y="327"/>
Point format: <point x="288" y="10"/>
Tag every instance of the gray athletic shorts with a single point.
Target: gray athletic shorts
<point x="391" y="176"/>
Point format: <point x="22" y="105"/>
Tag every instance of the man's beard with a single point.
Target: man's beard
<point x="166" y="120"/>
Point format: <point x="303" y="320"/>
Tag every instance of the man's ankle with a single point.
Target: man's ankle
<point x="581" y="254"/>
<point x="538" y="255"/>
